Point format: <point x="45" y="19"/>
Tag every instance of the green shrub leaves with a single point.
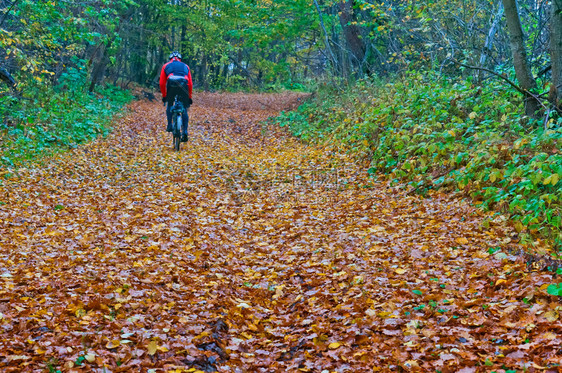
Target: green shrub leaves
<point x="439" y="133"/>
<point x="56" y="117"/>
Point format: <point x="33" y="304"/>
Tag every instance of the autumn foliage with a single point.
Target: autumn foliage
<point x="249" y="251"/>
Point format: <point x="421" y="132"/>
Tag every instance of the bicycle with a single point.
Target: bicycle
<point x="177" y="110"/>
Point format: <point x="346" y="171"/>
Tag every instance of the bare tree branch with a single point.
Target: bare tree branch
<point x="511" y="83"/>
<point x="8" y="11"/>
<point x="327" y="41"/>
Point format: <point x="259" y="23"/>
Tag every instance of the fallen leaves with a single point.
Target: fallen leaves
<point x="461" y="241"/>
<point x="334" y="345"/>
<point x="152" y="347"/>
<point x="112" y="344"/>
<point x="230" y="255"/>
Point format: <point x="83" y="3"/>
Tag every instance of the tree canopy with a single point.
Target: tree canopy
<point x="284" y="44"/>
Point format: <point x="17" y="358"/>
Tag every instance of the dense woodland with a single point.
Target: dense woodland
<point x="264" y="43"/>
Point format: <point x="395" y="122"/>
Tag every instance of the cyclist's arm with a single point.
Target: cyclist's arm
<point x="189" y="83"/>
<point x="163" y="80"/>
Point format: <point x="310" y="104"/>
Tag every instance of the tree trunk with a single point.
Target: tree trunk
<point x="203" y="72"/>
<point x="352" y="32"/>
<point x="556" y="54"/>
<point x="517" y="44"/>
<point x="182" y="41"/>
<point x="99" y="68"/>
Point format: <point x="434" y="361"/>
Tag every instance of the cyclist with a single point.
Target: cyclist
<point x="175" y="80"/>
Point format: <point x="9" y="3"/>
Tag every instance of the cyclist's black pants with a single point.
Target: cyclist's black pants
<point x="177" y="87"/>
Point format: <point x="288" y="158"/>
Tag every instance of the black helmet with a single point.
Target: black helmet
<point x="175" y="54"/>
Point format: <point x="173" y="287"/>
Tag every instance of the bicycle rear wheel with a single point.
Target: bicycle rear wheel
<point x="176" y="130"/>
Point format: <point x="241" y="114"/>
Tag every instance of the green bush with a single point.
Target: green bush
<point x="432" y="132"/>
<point x="50" y="118"/>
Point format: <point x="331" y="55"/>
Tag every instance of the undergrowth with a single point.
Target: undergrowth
<point x="429" y="132"/>
<point x="51" y="118"/>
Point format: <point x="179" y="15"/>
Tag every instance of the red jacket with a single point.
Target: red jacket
<point x="177" y="68"/>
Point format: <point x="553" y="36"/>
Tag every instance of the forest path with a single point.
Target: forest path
<point x="249" y="251"/>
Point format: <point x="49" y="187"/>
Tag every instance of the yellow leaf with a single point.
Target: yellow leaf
<point x="461" y="240"/>
<point x="152" y="348"/>
<point x="400" y="271"/>
<point x="377" y="228"/>
<point x="203" y="334"/>
<point x="500" y="281"/>
<point x="278" y="292"/>
<point x="246" y="335"/>
<point x="554" y="179"/>
<point x="551" y="315"/>
<point x="549" y="336"/>
<point x="112" y="344"/>
<point x="334" y="345"/>
<point x="472" y="115"/>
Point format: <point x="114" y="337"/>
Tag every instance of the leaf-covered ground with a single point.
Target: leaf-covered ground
<point x="251" y="252"/>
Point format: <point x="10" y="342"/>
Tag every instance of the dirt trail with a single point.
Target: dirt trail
<point x="249" y="251"/>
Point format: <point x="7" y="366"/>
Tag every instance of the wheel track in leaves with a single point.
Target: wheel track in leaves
<point x="249" y="251"/>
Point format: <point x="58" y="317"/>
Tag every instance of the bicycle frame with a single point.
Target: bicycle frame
<point x="177" y="111"/>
